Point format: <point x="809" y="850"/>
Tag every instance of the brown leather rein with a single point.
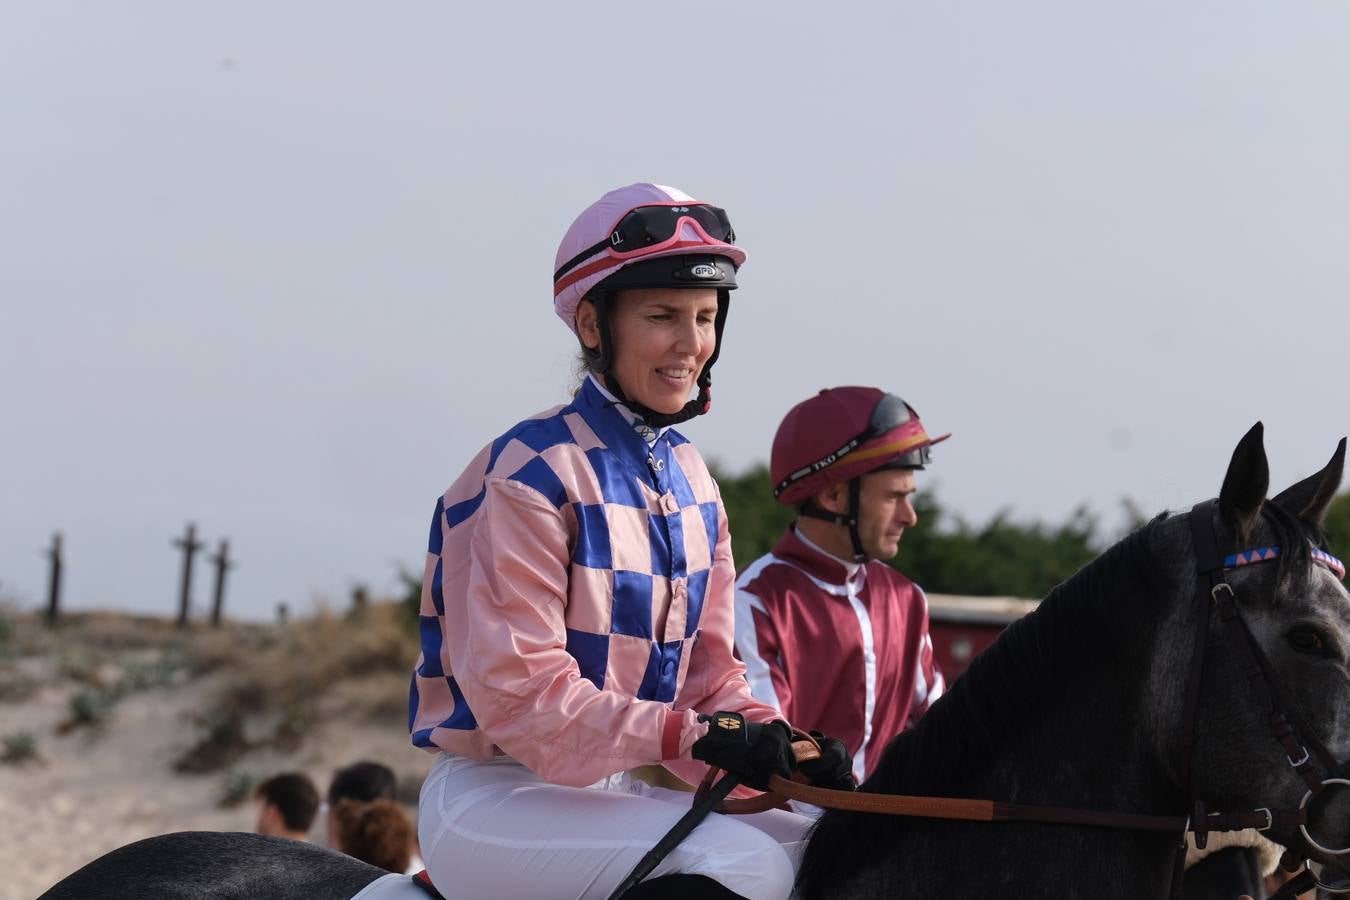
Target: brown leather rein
<point x="782" y="790"/>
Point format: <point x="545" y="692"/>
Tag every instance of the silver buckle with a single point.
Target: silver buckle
<point x="1214" y="591"/>
<point x="1294" y="765"/>
<point x="1270" y="819"/>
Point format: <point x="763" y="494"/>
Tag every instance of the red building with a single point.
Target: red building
<point x="963" y="626"/>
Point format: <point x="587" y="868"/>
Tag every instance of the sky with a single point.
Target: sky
<point x="280" y="269"/>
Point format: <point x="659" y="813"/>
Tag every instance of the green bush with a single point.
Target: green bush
<point x="412" y="595"/>
<point x="237" y="788"/>
<point x="1001" y="557"/>
<point x="6" y="613"/>
<point x="94" y="705"/>
<point x="221" y="740"/>
<point x="158" y="673"/>
<point x="91" y="706"/>
<point x="297" y="718"/>
<point x="756" y="519"/>
<point x="1337" y="525"/>
<point x="942" y="553"/>
<point x="19" y="748"/>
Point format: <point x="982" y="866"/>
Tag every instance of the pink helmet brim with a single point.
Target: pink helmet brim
<point x="599" y="219"/>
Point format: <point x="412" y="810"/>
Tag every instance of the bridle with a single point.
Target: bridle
<point x="1305" y="753"/>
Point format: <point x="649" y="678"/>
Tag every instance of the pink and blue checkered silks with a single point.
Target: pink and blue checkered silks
<point x="577" y="603"/>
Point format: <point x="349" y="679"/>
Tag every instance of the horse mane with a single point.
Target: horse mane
<point x="996" y="697"/>
<point x="1003" y="687"/>
<point x="1039" y="653"/>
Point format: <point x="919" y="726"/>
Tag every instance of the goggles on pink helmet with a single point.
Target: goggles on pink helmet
<point x="636" y="223"/>
<point x="650" y="228"/>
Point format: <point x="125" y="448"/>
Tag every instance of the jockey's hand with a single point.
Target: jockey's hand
<point x="834" y="768"/>
<point x="750" y="750"/>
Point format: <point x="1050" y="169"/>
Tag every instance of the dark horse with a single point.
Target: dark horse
<point x="1081" y="704"/>
<point x="230" y="865"/>
<point x="218" y="865"/>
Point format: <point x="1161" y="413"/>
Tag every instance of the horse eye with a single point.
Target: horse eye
<point x="1307" y="640"/>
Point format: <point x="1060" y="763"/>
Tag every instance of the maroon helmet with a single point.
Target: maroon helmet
<point x="836" y="437"/>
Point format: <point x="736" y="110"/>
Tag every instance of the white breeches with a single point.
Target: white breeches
<point x="495" y="829"/>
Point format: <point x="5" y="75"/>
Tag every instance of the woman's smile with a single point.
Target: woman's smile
<point x="662" y="339"/>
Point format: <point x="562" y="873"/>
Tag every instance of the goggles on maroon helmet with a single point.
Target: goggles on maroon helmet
<point x="890" y="413"/>
<point x="646" y="226"/>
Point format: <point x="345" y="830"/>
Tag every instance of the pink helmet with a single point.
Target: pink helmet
<point x="840" y="434"/>
<point x="608" y="237"/>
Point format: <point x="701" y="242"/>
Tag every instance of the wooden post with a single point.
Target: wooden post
<point x="223" y="564"/>
<point x="189" y="545"/>
<point x="54" y="580"/>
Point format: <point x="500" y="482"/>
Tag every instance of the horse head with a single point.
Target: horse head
<point x="1179" y="680"/>
<point x="1272" y="718"/>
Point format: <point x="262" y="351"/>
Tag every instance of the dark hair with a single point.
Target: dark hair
<point x="363" y="781"/>
<point x="294" y="795"/>
<point x="378" y="832"/>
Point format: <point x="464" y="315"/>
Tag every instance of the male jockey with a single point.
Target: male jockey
<point x="835" y="639"/>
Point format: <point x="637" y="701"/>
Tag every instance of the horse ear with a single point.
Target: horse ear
<point x="1244" y="487"/>
<point x="1309" y="498"/>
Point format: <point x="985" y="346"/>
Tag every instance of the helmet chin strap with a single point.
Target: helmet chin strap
<point x="602" y="362"/>
<point x="696" y="407"/>
<point x="849" y="520"/>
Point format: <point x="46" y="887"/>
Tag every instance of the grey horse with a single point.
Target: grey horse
<point x="1081" y="704"/>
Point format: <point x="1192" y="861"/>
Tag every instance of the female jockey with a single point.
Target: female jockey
<point x="577" y="606"/>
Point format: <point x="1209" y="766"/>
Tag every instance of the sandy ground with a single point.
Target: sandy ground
<point x="91" y="792"/>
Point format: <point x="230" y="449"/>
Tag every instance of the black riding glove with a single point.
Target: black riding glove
<point x="834" y="768"/>
<point x="749" y="749"/>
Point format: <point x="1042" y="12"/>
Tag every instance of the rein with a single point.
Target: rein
<point x="1303" y="750"/>
<point x="783" y="790"/>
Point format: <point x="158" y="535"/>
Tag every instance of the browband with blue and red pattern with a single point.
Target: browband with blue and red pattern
<point x="1266" y="554"/>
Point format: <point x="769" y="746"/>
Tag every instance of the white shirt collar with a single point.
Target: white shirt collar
<point x="850" y="566"/>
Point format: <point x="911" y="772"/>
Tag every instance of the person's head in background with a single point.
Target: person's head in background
<point x="287" y="805"/>
<point x="378" y="832"/>
<point x="363" y="782"/>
